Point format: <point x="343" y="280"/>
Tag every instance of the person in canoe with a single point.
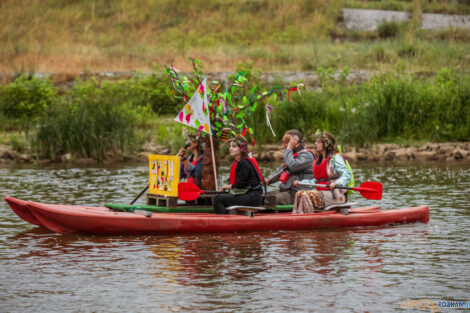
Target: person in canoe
<point x="244" y="181"/>
<point x="329" y="168"/>
<point x="297" y="166"/>
<point x="191" y="167"/>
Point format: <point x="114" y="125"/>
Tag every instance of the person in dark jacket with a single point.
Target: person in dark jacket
<point x="244" y="182"/>
<point x="191" y="167"/>
<point x="297" y="166"/>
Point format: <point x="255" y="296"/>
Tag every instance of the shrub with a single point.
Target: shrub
<point x="388" y="29"/>
<point x="153" y="90"/>
<point x="408" y="51"/>
<point x="26" y="98"/>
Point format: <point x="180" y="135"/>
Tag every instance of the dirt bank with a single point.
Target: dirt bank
<point x="309" y="78"/>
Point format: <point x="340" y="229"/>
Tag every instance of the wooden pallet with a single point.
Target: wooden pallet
<point x="161" y="201"/>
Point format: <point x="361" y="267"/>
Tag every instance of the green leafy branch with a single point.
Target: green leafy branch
<point x="231" y="103"/>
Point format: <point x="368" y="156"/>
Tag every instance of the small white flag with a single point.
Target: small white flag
<point x="195" y="113"/>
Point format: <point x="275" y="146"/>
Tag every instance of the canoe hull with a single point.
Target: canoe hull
<point x="101" y="220"/>
<point x="21" y="209"/>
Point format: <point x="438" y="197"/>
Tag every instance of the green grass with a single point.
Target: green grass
<point x="125" y="35"/>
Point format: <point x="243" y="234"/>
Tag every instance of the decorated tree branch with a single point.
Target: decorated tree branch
<point x="226" y="106"/>
<point x="229" y="105"/>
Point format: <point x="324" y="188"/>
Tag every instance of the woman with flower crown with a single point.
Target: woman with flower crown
<point x="244" y="181"/>
<point x="329" y="168"/>
<point x="191" y="167"/>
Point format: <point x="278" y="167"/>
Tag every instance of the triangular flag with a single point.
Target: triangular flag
<point x="195" y="113"/>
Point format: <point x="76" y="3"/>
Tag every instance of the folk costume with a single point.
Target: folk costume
<point x="332" y="168"/>
<point x="245" y="179"/>
<point x="192" y="172"/>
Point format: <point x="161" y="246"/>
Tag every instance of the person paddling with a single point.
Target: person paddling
<point x="244" y="182"/>
<point x="297" y="166"/>
<point x="191" y="167"/>
<point x="328" y="169"/>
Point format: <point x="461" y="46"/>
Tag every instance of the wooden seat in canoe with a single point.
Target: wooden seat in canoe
<point x="244" y="210"/>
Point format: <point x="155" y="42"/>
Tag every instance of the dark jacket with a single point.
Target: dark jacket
<point x="194" y="171"/>
<point x="246" y="176"/>
<point x="299" y="168"/>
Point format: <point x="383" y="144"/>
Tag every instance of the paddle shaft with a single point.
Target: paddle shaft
<point x="370" y="190"/>
<point x="140" y="194"/>
<point x="213" y="192"/>
<point x="337" y="187"/>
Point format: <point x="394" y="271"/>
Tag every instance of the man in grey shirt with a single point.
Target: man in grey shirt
<point x="298" y="163"/>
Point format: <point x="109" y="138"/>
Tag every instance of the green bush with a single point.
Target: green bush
<point x="408" y="51"/>
<point x="18" y="142"/>
<point x="403" y="106"/>
<point x="26" y="98"/>
<point x="389" y="107"/>
<point x="153" y="90"/>
<point x="388" y="30"/>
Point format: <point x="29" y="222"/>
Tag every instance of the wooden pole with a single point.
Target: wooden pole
<point x="213" y="162"/>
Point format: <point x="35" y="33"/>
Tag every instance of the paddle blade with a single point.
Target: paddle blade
<point x="371" y="190"/>
<point x="188" y="191"/>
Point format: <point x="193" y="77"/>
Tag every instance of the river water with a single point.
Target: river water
<point x="367" y="269"/>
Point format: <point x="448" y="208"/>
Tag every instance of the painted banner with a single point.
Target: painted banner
<point x="195" y="113"/>
<point x="164" y="174"/>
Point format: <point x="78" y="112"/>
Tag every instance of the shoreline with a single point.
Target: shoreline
<point x="431" y="151"/>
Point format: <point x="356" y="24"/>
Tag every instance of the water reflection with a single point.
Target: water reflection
<point x="357" y="269"/>
<point x="310" y="265"/>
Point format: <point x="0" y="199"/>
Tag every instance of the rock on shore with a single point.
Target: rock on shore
<point x="369" y="20"/>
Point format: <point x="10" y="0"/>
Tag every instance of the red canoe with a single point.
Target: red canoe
<point x="22" y="210"/>
<point x="101" y="220"/>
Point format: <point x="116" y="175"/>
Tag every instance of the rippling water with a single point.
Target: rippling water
<point x="371" y="269"/>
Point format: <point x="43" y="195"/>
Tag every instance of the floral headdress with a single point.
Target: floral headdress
<point x="322" y="136"/>
<point x="197" y="137"/>
<point x="194" y="136"/>
<point x="241" y="142"/>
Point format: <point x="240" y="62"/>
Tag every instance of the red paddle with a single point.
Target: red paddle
<point x="190" y="192"/>
<point x="371" y="190"/>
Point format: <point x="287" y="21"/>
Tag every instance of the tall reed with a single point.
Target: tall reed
<point x="389" y="108"/>
<point x="91" y="121"/>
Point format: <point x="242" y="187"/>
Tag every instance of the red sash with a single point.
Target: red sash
<point x="194" y="162"/>
<point x="233" y="170"/>
<point x="319" y="171"/>
<point x="286" y="175"/>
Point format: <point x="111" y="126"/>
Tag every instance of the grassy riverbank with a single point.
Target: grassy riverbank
<point x="107" y="119"/>
<point x="114" y="119"/>
<point x="127" y="35"/>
